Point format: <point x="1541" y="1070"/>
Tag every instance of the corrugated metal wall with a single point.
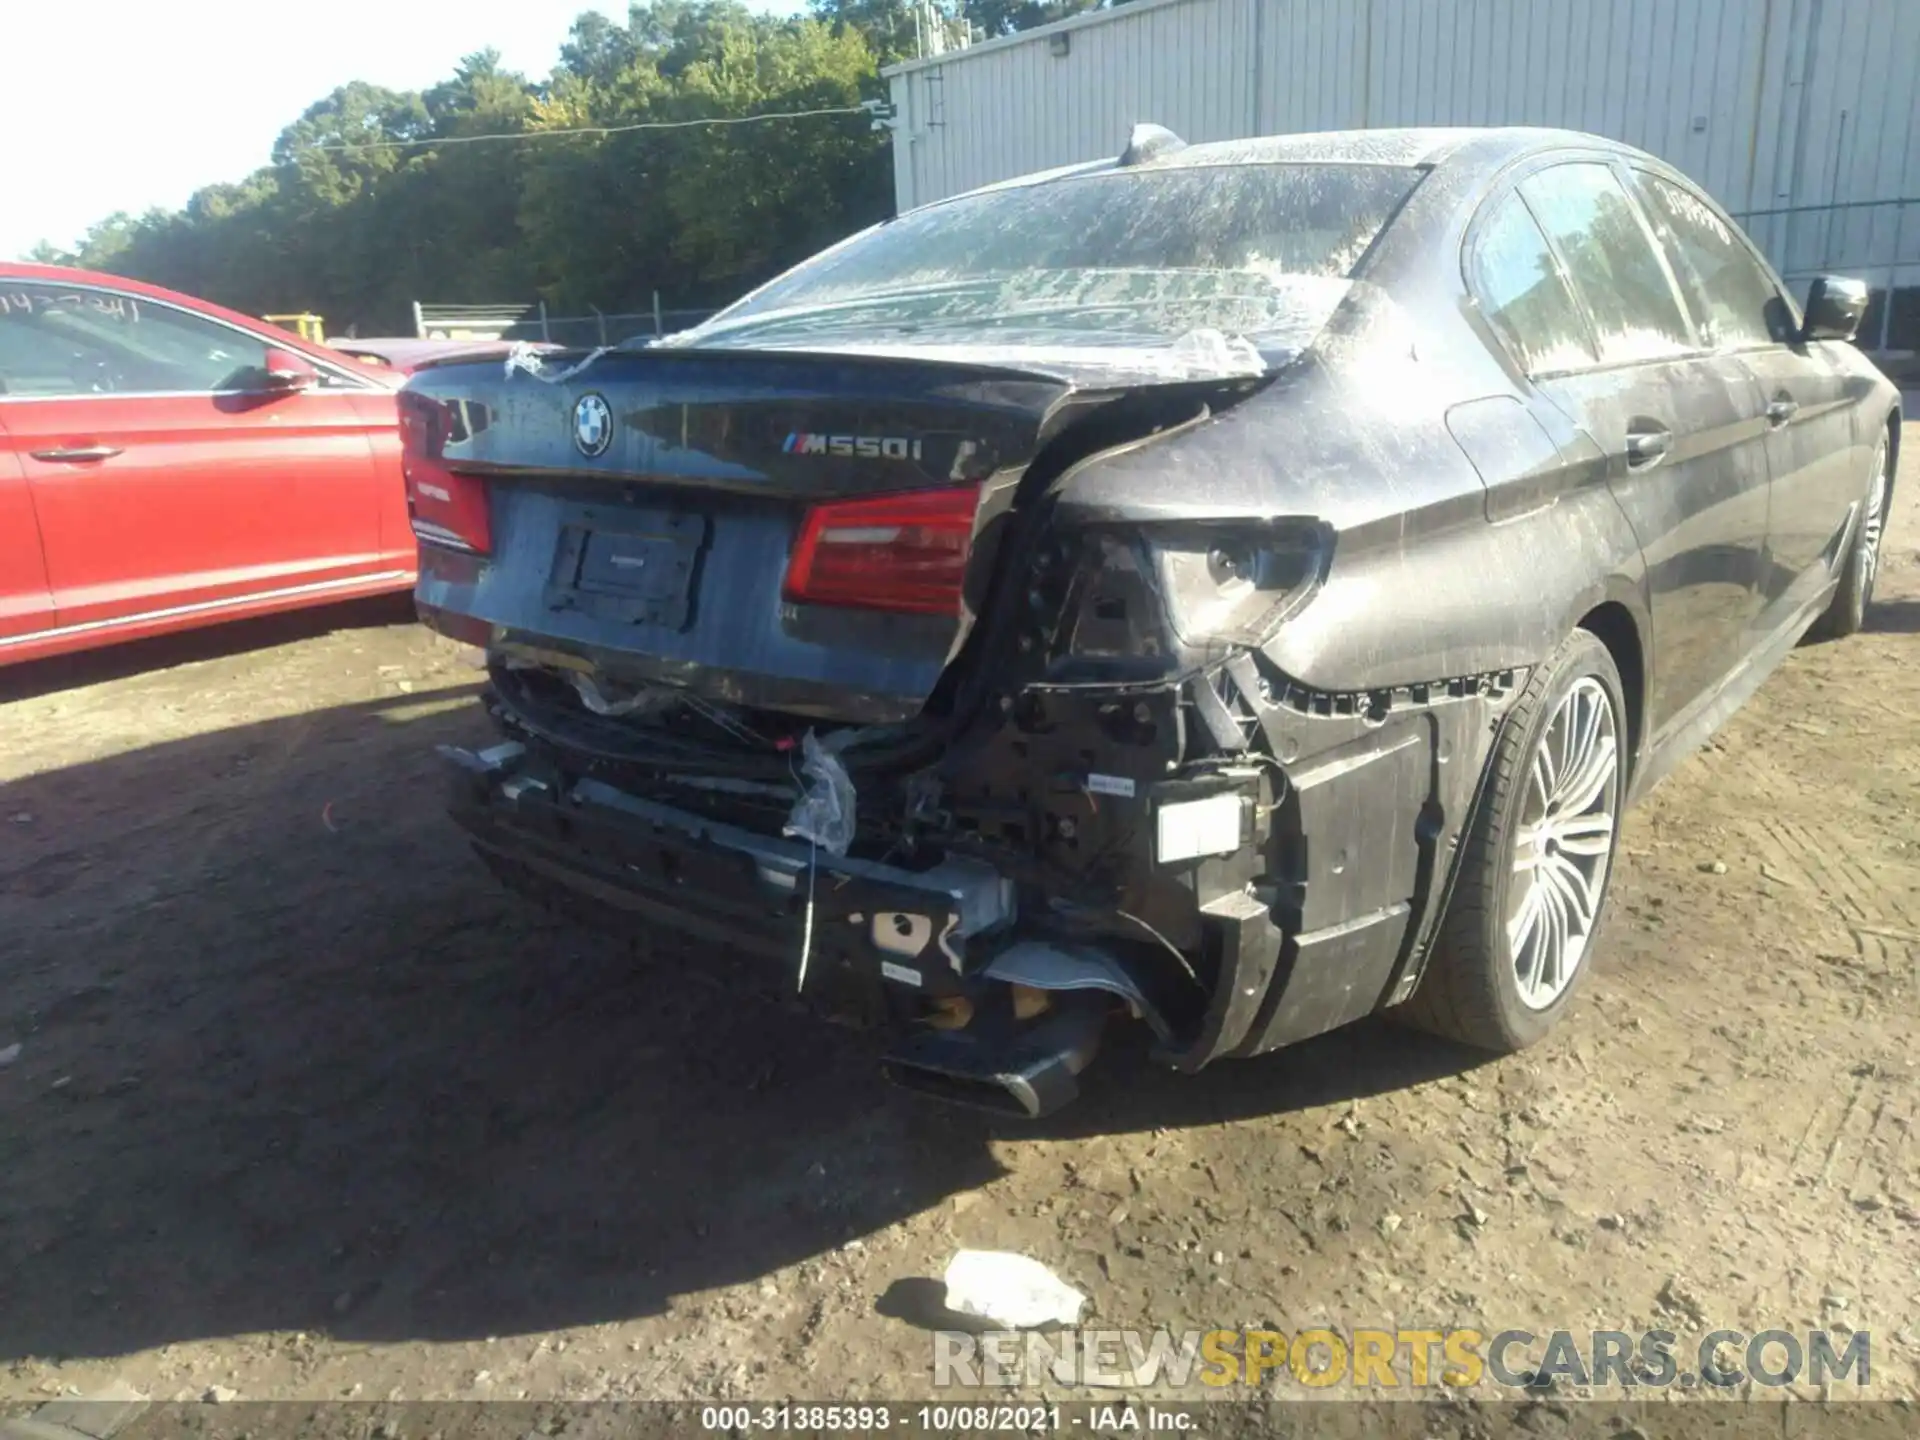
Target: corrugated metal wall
<point x="1803" y="116"/>
<point x="1010" y="108"/>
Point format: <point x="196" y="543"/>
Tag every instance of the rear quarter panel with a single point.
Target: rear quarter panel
<point x="1422" y="586"/>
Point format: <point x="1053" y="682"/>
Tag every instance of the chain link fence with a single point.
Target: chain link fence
<point x="536" y="322"/>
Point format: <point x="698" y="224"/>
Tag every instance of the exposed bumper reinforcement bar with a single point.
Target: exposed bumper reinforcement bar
<point x="728" y="883"/>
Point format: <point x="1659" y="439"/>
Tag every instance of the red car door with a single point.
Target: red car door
<point x="165" y="473"/>
<point x="26" y="604"/>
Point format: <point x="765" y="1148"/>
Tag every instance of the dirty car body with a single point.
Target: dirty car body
<point x="1177" y="567"/>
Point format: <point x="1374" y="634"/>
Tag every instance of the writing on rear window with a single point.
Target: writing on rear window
<point x="869" y="447"/>
<point x="24" y="303"/>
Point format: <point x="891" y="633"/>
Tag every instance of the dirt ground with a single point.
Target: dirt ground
<point x="307" y="1107"/>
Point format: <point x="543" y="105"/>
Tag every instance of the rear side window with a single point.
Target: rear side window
<point x="66" y="340"/>
<point x="1521" y="292"/>
<point x="1610" y="260"/>
<point x="1734" y="301"/>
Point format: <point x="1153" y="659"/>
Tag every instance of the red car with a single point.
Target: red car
<point x="165" y="463"/>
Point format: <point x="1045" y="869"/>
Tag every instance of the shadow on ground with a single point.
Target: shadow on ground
<point x="136" y="657"/>
<point x="1893" y="617"/>
<point x="293" y="1061"/>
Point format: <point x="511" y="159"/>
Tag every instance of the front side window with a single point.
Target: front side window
<point x="1610" y="260"/>
<point x="1521" y="292"/>
<point x="72" y="340"/>
<point x="1111" y="257"/>
<point x="1734" y="301"/>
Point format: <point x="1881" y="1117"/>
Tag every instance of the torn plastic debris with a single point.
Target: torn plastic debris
<point x="522" y="356"/>
<point x="1010" y="1290"/>
<point x="641" y="702"/>
<point x="824" y="812"/>
<point x="1215" y="351"/>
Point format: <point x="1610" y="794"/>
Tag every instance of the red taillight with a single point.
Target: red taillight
<point x="446" y="507"/>
<point x="898" y="552"/>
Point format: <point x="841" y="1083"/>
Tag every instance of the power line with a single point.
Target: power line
<point x="598" y="129"/>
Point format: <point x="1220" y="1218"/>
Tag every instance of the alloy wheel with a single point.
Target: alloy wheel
<point x="1873" y="523"/>
<point x="1563" y="844"/>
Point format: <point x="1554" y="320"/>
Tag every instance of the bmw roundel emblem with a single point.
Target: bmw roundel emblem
<point x="592" y="425"/>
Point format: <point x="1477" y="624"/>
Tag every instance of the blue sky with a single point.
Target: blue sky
<point x="124" y="104"/>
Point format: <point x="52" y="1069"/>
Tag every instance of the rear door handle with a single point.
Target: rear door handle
<point x="77" y="454"/>
<point x="1780" y="411"/>
<point x="1644" y="447"/>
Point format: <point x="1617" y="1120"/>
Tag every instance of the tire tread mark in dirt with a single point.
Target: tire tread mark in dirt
<point x="1853" y="1190"/>
<point x="1832" y="887"/>
<point x="1887" y="952"/>
<point x="1777" y="854"/>
<point x="1832" y="1151"/>
<point x="1897" y="1161"/>
<point x="1806" y="1141"/>
<point x="1846" y="880"/>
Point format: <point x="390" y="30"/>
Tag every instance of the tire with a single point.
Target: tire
<point x="1478" y="988"/>
<point x="1848" y="612"/>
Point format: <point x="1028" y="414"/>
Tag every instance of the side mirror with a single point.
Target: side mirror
<point x="1834" y="307"/>
<point x="285" y="372"/>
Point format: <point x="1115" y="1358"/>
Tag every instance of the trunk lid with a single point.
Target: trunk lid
<point x="641" y="509"/>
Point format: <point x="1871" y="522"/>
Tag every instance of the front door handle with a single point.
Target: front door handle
<point x="77" y="454"/>
<point x="1644" y="447"/>
<point x="1780" y="411"/>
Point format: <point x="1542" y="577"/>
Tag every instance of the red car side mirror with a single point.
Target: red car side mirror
<point x="285" y="371"/>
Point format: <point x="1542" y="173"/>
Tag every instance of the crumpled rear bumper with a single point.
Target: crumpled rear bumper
<point x="655" y="863"/>
<point x="1321" y="915"/>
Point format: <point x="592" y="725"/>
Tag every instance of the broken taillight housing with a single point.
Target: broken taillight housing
<point x="1237" y="582"/>
<point x="444" y="506"/>
<point x="905" y="552"/>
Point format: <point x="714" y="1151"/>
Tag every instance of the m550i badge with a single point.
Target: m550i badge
<point x="867" y="447"/>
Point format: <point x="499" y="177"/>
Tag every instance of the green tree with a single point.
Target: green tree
<point x="1005" y="17"/>
<point x="892" y="33"/>
<point x="376" y="198"/>
<point x="887" y="25"/>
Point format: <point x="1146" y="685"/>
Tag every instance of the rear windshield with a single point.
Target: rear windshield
<point x="1153" y="254"/>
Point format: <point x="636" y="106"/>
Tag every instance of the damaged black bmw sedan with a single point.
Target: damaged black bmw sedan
<point x="1229" y="588"/>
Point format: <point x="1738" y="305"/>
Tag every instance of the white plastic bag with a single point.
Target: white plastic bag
<point x="824" y="811"/>
<point x="1010" y="1290"/>
<point x="523" y="357"/>
<point x="1214" y="351"/>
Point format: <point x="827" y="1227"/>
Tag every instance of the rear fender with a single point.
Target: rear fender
<point x="1401" y="610"/>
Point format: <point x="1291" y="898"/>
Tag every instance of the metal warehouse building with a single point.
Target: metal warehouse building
<point x="1800" y="116"/>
